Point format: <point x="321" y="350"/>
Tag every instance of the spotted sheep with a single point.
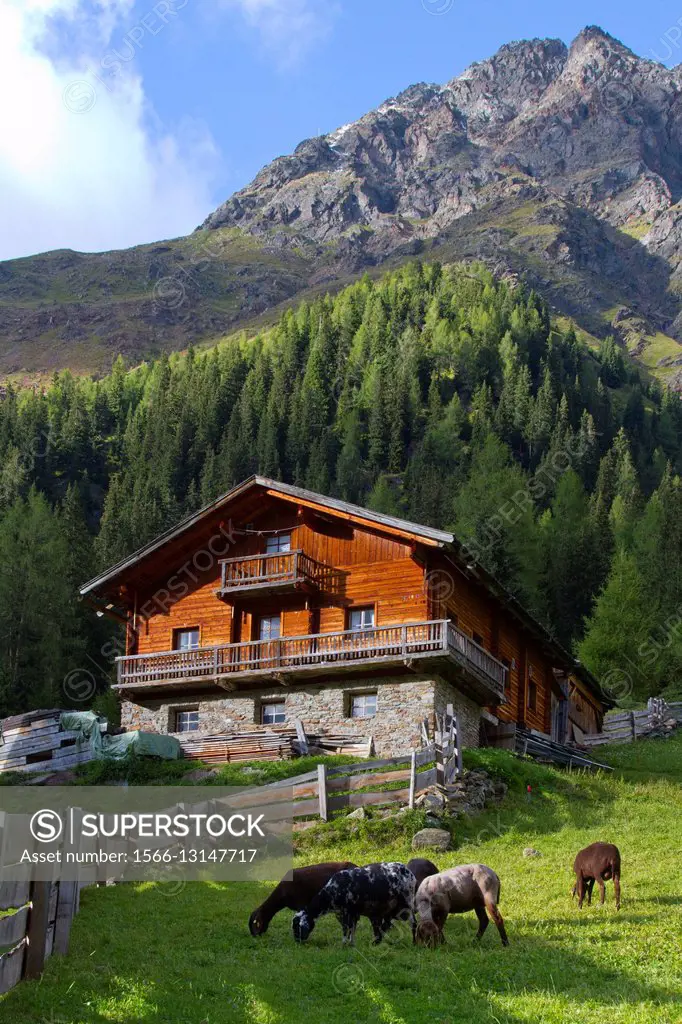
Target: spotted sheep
<point x="294" y="892"/>
<point x="381" y="892"/>
<point x="457" y="891"/>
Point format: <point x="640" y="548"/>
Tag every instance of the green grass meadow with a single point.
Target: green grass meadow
<point x="146" y="953"/>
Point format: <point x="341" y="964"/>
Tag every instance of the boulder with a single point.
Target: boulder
<point x="431" y="839"/>
<point x="199" y="775"/>
<point x="359" y="812"/>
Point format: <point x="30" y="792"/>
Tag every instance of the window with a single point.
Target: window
<point x="363" y="705"/>
<point x="532" y="695"/>
<point x="187" y="720"/>
<point x="279" y="544"/>
<point x="186" y="639"/>
<point x="478" y="639"/>
<point x="273" y="714"/>
<point x="361" y="618"/>
<point x="269" y="627"/>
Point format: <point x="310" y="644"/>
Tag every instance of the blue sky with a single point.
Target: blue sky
<point x="132" y="119"/>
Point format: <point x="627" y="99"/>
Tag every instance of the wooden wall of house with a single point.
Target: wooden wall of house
<point x="584" y="709"/>
<point x="330" y="541"/>
<point x="373" y="571"/>
<point x="467" y="603"/>
<point x="199" y="608"/>
<point x="510" y="651"/>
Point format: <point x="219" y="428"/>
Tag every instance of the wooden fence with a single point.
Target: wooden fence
<point x="626" y="726"/>
<point x="321" y="793"/>
<point x="38" y="924"/>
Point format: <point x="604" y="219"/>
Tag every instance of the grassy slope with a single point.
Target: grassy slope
<point x="140" y="954"/>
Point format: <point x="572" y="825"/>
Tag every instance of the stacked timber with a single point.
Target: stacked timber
<point x="251" y="746"/>
<point x="35" y="742"/>
<point x="329" y="743"/>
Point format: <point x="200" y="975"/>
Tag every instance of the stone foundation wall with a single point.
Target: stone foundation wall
<point x="468" y="713"/>
<point x="402" y="704"/>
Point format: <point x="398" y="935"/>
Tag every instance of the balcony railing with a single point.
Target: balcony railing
<point x="288" y="569"/>
<point x="286" y="655"/>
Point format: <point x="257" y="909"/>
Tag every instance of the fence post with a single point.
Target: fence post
<point x="633" y="725"/>
<point x="322" y="790"/>
<point x="457" y="753"/>
<point x="301" y="736"/>
<point x="413" y="779"/>
<point x="37" y="929"/>
<point x="66" y="906"/>
<point x="440" y="764"/>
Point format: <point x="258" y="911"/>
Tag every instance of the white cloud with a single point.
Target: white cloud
<point x="84" y="162"/>
<point x="288" y="28"/>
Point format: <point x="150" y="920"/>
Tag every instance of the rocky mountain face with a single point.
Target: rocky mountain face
<point x="562" y="164"/>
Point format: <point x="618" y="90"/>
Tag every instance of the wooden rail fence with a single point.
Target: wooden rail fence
<point x="626" y="726"/>
<point x="321" y="793"/>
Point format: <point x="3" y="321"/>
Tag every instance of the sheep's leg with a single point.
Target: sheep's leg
<point x="616" y="886"/>
<point x="380" y="926"/>
<point x="496" y="916"/>
<point x="349" y="923"/>
<point x="602" y="891"/>
<point x="580" y="886"/>
<point x="482" y="922"/>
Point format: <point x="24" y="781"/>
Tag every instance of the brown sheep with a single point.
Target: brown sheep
<point x="600" y="862"/>
<point x="294" y="892"/>
<point x="456" y="891"/>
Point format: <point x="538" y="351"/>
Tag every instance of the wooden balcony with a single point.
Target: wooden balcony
<point x="439" y="644"/>
<point x="290" y="570"/>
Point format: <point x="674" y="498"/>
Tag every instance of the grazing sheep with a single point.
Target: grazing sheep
<point x="421" y="868"/>
<point x="456" y="891"/>
<point x="600" y="861"/>
<point x="294" y="892"/>
<point x="380" y="892"/>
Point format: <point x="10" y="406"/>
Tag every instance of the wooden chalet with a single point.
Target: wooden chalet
<point x="274" y="604"/>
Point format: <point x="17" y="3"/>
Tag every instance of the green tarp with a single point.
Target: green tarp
<point x="89" y="726"/>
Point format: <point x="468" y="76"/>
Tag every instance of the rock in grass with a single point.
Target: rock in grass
<point x="359" y="813"/>
<point x="530" y="852"/>
<point x="431" y="839"/>
<point x="199" y="775"/>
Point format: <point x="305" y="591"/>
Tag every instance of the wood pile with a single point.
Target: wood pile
<point x="251" y="746"/>
<point x="35" y="742"/>
<point x="329" y="743"/>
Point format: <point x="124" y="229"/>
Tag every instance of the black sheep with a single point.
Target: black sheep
<point x="381" y="892"/>
<point x="422" y="868"/>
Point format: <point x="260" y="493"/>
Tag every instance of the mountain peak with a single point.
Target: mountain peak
<point x="594" y="35"/>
